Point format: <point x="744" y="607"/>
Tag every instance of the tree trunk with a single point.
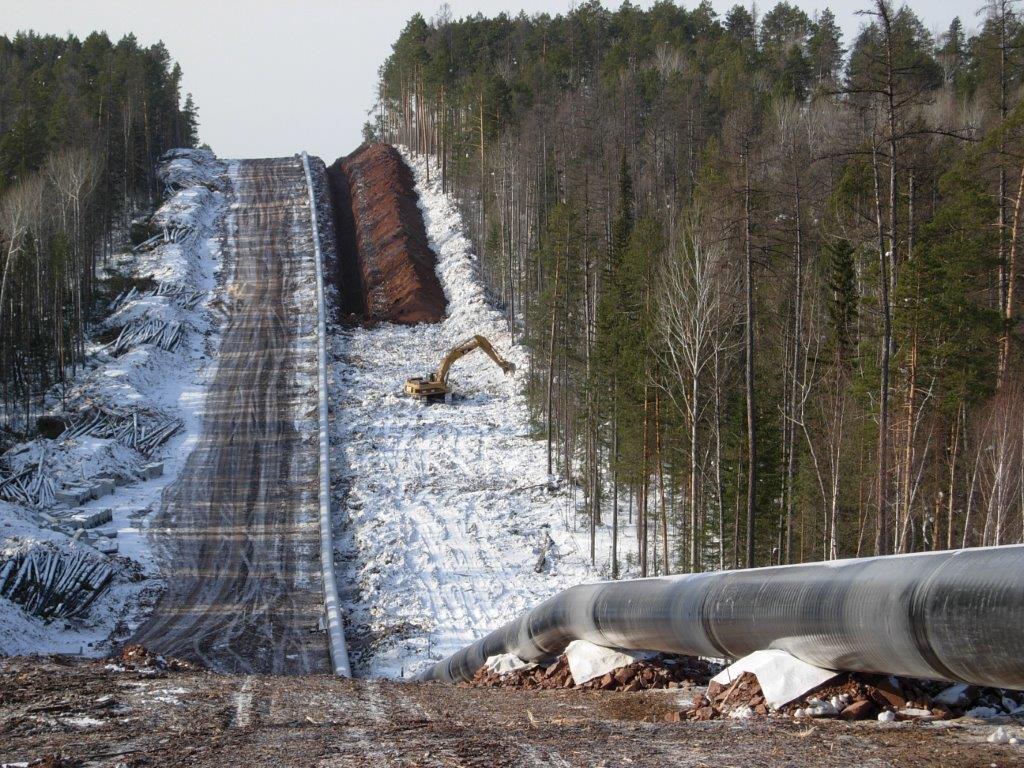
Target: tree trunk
<point x="749" y="364"/>
<point x="551" y="363"/>
<point x="641" y="529"/>
<point x="718" y="468"/>
<point x="882" y="479"/>
<point x="661" y="483"/>
<point x="1011" y="281"/>
<point x="950" y="504"/>
<point x="615" y="491"/>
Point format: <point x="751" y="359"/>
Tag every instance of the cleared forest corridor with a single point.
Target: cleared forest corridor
<point x="238" y="530"/>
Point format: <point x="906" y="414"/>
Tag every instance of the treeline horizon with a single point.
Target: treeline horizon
<point x="82" y="123"/>
<point x="768" y="277"/>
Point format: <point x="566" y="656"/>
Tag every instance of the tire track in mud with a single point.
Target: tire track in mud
<point x="238" y="531"/>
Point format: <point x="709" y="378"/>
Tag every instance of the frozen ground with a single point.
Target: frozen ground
<point x="172" y="383"/>
<point x="96" y="713"/>
<point x="442" y="510"/>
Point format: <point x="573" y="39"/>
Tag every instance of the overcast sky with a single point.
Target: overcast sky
<point x="272" y="78"/>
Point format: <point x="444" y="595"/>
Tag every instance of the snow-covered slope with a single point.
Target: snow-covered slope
<point x="441" y="511"/>
<point x="170" y="384"/>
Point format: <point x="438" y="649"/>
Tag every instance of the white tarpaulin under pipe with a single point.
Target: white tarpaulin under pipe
<point x="955" y="616"/>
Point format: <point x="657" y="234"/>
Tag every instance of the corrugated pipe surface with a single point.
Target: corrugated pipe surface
<point x="955" y="616"/>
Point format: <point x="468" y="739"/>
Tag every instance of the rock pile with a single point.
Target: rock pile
<point x="854" y="696"/>
<point x="662" y="671"/>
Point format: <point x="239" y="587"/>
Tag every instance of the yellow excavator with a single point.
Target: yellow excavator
<point x="434" y="386"/>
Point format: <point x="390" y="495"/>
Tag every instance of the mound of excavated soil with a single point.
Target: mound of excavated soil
<point x="385" y="265"/>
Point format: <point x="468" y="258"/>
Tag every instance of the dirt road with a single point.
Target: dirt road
<point x="238" y="532"/>
<point x="96" y="715"/>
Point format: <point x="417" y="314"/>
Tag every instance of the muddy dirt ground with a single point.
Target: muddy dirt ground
<point x="237" y="533"/>
<point x="96" y="713"/>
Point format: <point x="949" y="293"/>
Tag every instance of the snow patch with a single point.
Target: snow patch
<point x="442" y="512"/>
<point x="173" y="383"/>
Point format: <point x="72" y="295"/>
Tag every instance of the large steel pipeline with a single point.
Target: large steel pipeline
<point x="956" y="616"/>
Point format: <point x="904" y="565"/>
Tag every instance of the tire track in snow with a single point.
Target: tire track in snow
<point x="441" y="529"/>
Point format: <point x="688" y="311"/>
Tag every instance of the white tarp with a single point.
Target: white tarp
<point x="587" y="661"/>
<point x="782" y="677"/>
<point x="506" y="662"/>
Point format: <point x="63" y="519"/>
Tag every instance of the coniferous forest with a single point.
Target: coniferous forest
<point x="768" y="276"/>
<point x="82" y="123"/>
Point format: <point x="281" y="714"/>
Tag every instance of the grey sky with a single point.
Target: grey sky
<point x="272" y="78"/>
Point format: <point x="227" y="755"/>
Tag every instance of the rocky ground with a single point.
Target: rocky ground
<point x="849" y="696"/>
<point x="660" y="672"/>
<point x="138" y="710"/>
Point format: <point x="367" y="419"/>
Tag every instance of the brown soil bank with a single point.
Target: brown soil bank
<point x="385" y="265"/>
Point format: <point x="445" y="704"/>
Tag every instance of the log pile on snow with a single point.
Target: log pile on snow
<point x="52" y="583"/>
<point x="187" y="237"/>
<point x="183" y="296"/>
<point x="855" y="696"/>
<point x="31" y="486"/>
<point x="184" y="168"/>
<point x="143" y="429"/>
<point x="41" y="482"/>
<point x="165" y="334"/>
<point x="661" y="671"/>
<point x="110" y="425"/>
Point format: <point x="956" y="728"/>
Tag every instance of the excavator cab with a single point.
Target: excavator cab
<point x="434" y="386"/>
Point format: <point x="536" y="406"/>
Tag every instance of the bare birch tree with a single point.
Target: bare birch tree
<point x="695" y="314"/>
<point x="20" y="209"/>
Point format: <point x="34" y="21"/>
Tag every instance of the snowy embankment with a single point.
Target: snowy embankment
<point x="442" y="512"/>
<point x="132" y="393"/>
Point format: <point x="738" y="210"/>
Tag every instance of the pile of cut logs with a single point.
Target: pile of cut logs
<point x="183" y="297"/>
<point x="52" y="584"/>
<point x="168" y="235"/>
<point x="166" y="334"/>
<point x="31" y="486"/>
<point x="143" y="429"/>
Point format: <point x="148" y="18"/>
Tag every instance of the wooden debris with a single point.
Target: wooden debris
<point x="89" y="518"/>
<point x="51" y="583"/>
<point x="851" y="696"/>
<point x="31" y="487"/>
<point x="183" y="296"/>
<point x="164" y="334"/>
<point x="150" y="243"/>
<point x="143" y="429"/>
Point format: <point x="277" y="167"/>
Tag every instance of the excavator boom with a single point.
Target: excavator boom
<point x="435" y="385"/>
